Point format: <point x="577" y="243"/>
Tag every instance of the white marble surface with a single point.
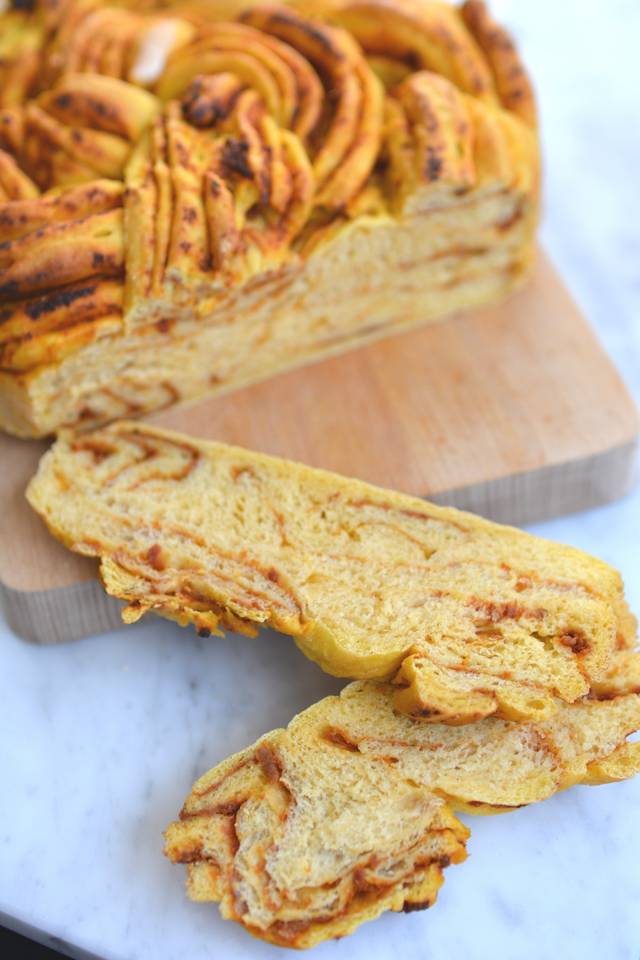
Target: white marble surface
<point x="101" y="739"/>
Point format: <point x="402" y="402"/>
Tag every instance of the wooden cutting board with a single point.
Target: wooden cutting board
<point x="514" y="412"/>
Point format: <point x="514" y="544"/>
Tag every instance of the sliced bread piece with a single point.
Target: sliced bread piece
<point x="301" y="838"/>
<point x="471" y="618"/>
<point x="322" y="826"/>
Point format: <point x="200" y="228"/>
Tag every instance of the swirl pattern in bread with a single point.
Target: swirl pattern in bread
<point x="322" y="826"/>
<point x="472" y="619"/>
<point x="294" y="181"/>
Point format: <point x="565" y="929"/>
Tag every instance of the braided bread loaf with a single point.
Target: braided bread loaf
<point x="471" y="619"/>
<point x="319" y="827"/>
<point x="191" y="200"/>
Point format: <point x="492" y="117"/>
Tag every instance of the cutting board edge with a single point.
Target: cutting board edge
<point x="61" y="614"/>
<point x="555" y="490"/>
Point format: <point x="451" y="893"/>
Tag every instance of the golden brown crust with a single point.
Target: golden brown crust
<point x="93" y="36"/>
<point x="31" y="331"/>
<point x="76" y="203"/>
<point x="14" y="183"/>
<point x="61" y="254"/>
<point x="95" y="102"/>
<point x="428" y="36"/>
<point x="352" y="141"/>
<point x="12" y="130"/>
<point x="512" y="83"/>
<point x="430" y="139"/>
<point x="267" y="158"/>
<point x="21" y="40"/>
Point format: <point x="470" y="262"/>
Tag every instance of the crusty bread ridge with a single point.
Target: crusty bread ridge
<point x="322" y="826"/>
<point x="193" y="199"/>
<point x="470" y="618"/>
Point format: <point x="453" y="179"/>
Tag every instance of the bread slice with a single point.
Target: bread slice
<point x="289" y="189"/>
<point x="302" y="838"/>
<point x="322" y="826"/>
<point x="470" y="618"/>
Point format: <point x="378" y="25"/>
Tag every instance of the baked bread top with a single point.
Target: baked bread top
<point x="232" y="147"/>
<point x="471" y="618"/>
<point x="324" y="825"/>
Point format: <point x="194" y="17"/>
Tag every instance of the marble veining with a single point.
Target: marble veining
<point x="101" y="739"/>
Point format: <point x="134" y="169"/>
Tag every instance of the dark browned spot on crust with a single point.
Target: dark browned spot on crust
<point x="425" y="713"/>
<point x="340" y="739"/>
<point x="10" y="290"/>
<point x="273" y="575"/>
<point x="410" y="907"/>
<point x="314" y="31"/>
<point x="433" y="166"/>
<point x="270" y="763"/>
<point x="514" y="88"/>
<point x="183" y="154"/>
<point x="210" y="98"/>
<point x="52" y="301"/>
<point x="235" y="158"/>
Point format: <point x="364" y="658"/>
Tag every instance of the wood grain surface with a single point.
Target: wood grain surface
<point x="513" y="411"/>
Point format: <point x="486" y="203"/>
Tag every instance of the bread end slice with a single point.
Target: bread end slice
<point x="301" y="840"/>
